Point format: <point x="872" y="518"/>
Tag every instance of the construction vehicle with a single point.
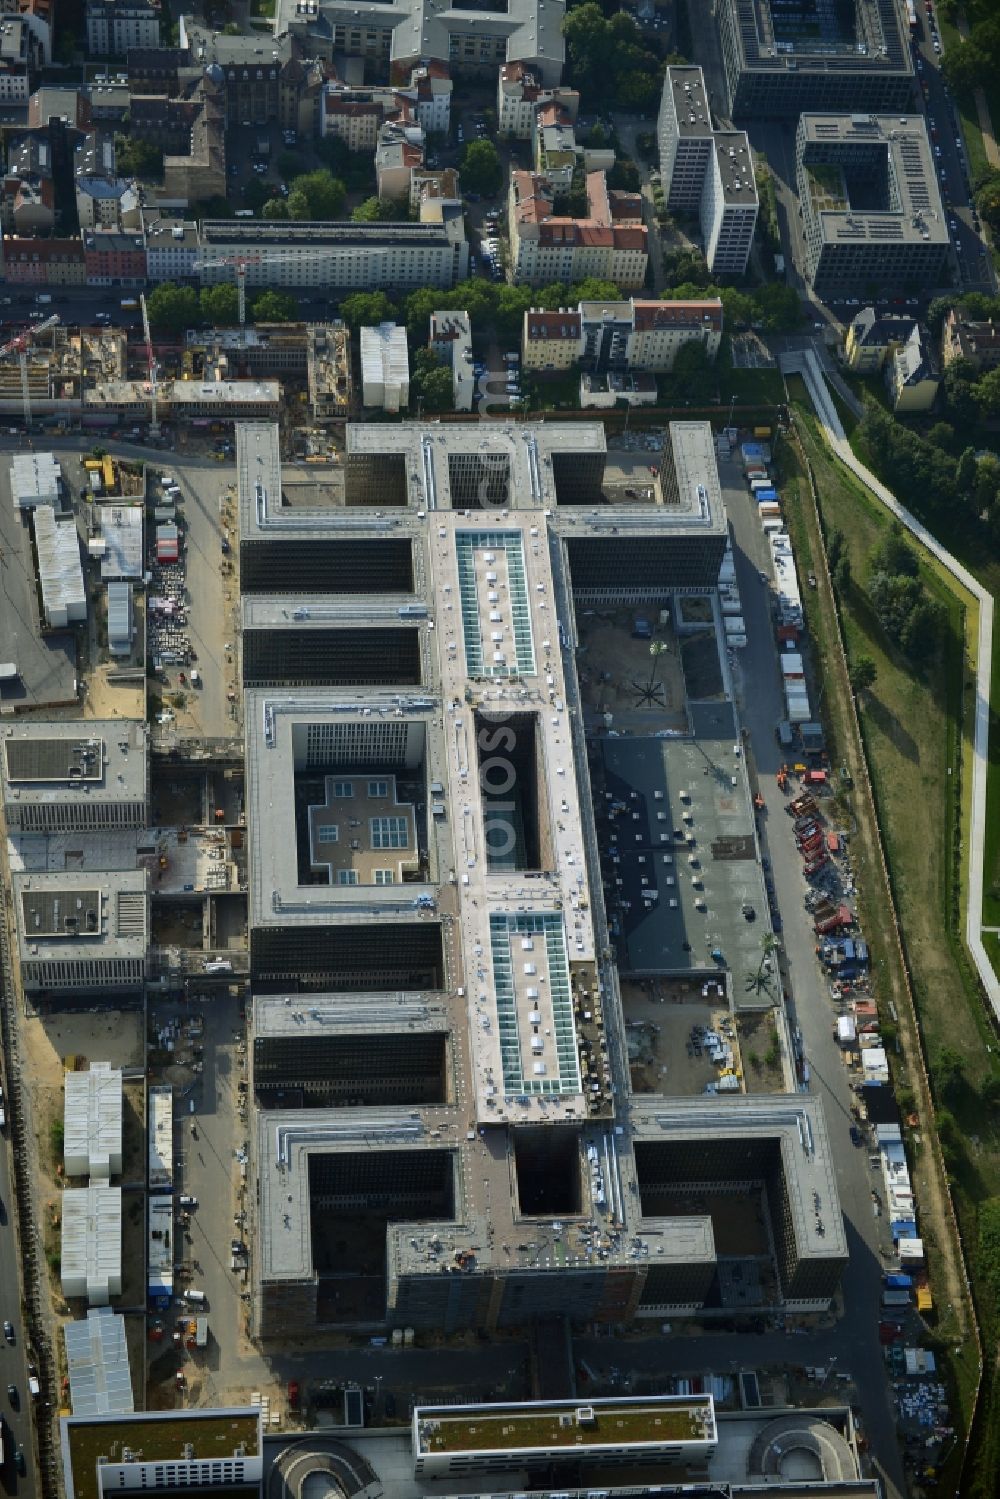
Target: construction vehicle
<point x="829" y="922"/>
<point x="803" y="805"/>
<point x="782" y="778"/>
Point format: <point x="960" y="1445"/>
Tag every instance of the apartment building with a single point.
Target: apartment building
<point x="912" y="374"/>
<point x="344" y="256"/>
<point x="977" y="342"/>
<point x="851" y="58"/>
<point x="610" y="242"/>
<point x="114" y="259"/>
<point x="870" y="201"/>
<point x="44" y="262"/>
<point x="634" y="336"/>
<point x="418" y="31"/>
<point x="172" y="249"/>
<point x="261" y="79"/>
<point x="113" y="26"/>
<point x="20" y="55"/>
<point x="872" y="336"/>
<point x="451" y="341"/>
<point x="706" y="171"/>
<point x="520" y="93"/>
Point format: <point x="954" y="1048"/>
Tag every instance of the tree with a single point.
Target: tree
<point x="960" y="391"/>
<point x="297" y="205"/>
<point x="893" y="554"/>
<point x="354" y="168"/>
<point x="842" y="574"/>
<point x="135" y="157"/>
<point x="862" y="674"/>
<point x="430" y="382"/>
<point x="275" y="208"/>
<point x="323" y="193"/>
<point x="986" y="393"/>
<point x="172" y="308"/>
<point x="965" y="474"/>
<point x="624" y="176"/>
<point x="364" y="309"/>
<point x="256" y="194"/>
<point x="949" y="1075"/>
<point x="219" y="305"/>
<point x="988" y="202"/>
<point x="778" y="307"/>
<point x="419" y="306"/>
<point x="942" y="435"/>
<point x="288" y="163"/>
<point x="482" y="169"/>
<point x="989" y="1243"/>
<point x="375" y="210"/>
<point x="692" y="377"/>
<point x="275" y="307"/>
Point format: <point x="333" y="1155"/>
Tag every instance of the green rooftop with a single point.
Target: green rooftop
<point x="152" y="1438"/>
<point x="525" y="1428"/>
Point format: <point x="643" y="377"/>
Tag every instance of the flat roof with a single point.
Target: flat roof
<point x="688" y="857"/>
<point x="158" y="1436"/>
<point x="796" y="1121"/>
<point x="160" y="1131"/>
<point x="119" y="926"/>
<point x="685" y="86"/>
<point x="877" y="46"/>
<point x="71" y="760"/>
<point x="831" y="140"/>
<point x="121" y="528"/>
<point x="100" y="1380"/>
<point x="735" y="158"/>
<point x="274" y="1016"/>
<point x="538" y="1426"/>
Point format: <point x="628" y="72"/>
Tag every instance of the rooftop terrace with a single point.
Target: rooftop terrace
<point x="537" y="1427"/>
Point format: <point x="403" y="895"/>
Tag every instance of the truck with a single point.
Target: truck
<point x="802" y="805"/>
<point x="43" y="298"/>
<point x="130" y="304"/>
<point x="895" y="1299"/>
<point x="8" y="673"/>
<point x="201" y="1332"/>
<point x="829" y="923"/>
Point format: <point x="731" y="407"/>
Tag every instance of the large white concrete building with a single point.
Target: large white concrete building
<point x="91" y="1249"/>
<point x="92" y="1122"/>
<point x="385" y="367"/>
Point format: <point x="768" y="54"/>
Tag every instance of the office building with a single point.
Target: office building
<point x="871" y="206"/>
<point x="162" y="1452"/>
<point x="342" y="256"/>
<point x="451" y="341"/>
<point x="82" y="932"/>
<point x="462" y="1440"/>
<point x="781" y="59"/>
<point x="415" y="31"/>
<point x="412" y="727"/>
<point x="385" y="367"/>
<point x="706" y="171"/>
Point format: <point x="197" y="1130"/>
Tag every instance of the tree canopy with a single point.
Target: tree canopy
<point x="321" y="193"/>
<point x="172" y="308"/>
<point x="430" y="382"/>
<point x="482" y="169"/>
<point x="609" y="61"/>
<point x="363" y="309"/>
<point x="275" y="307"/>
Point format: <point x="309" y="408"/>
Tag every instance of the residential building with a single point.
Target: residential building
<point x="551" y="340"/>
<point x="44" y="262"/>
<point x="113" y="26"/>
<point x="978" y="343"/>
<point x="343" y="256"/>
<point x="419" y="31"/>
<point x="355" y="121"/>
<point x="706" y="171"/>
<point x="854" y="58"/>
<point x="36" y="16"/>
<point x="610" y="242"/>
<point x="280" y="83"/>
<point x="399" y="153"/>
<point x="603" y="392"/>
<point x="912" y="376"/>
<point x="385" y="367"/>
<point x="442" y="185"/>
<point x="82" y="931"/>
<point x="451" y="341"/>
<point x="27" y="205"/>
<point x="20" y="55"/>
<point x="104" y="204"/>
<point x="172" y="249"/>
<point x="872" y="336"/>
<point x="114" y="259"/>
<point x="520" y="94"/>
<point x="870" y="202"/>
<point x="189" y="126"/>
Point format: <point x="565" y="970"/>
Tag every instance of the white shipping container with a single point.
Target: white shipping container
<point x="791" y="664"/>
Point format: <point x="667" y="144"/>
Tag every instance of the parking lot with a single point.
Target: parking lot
<point x="47" y="665"/>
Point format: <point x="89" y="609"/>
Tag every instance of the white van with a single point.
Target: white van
<point x="198" y="1297"/>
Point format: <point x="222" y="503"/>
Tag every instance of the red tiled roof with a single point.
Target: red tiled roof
<point x="550" y="325"/>
<point x="630" y="238"/>
<point x="649" y="315"/>
<point x="625" y="205"/>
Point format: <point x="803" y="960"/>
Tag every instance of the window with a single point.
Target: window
<point x="347" y="876"/>
<point x="389" y="832"/>
<point x="343" y="788"/>
<point x="328" y="832"/>
<point x="378" y="788"/>
<point x="384" y="877"/>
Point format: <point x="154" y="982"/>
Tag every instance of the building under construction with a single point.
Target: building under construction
<point x="444" y="1134"/>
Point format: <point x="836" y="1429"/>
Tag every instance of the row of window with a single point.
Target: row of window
<point x="346" y="788"/>
<point x="379" y="877"/>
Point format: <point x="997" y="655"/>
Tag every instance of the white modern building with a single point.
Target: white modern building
<point x="114" y="26"/>
<point x="92" y="1122"/>
<point x="60" y="569"/>
<point x="385" y="367"/>
<point x="65" y="776"/>
<point x="91" y="1249"/>
<point x="82" y="931"/>
<point x="706" y="171"/>
<point x="162" y="1451"/>
<point x="35" y="479"/>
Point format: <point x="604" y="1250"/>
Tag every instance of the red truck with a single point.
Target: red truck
<point x="840" y="917"/>
<point x="802" y="805"/>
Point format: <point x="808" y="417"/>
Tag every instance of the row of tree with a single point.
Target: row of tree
<point x="489" y="304"/>
<point x="610" y="61"/>
<point x="174" y="309"/>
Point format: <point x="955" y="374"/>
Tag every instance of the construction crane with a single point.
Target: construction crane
<point x="154" y="426"/>
<point x="240" y="264"/>
<point x="20" y="346"/>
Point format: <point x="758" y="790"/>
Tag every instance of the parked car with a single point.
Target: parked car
<point x="8" y="1331"/>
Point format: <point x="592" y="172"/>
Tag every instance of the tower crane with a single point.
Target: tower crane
<point x="20" y="346"/>
<point x="240" y="264"/>
<point x="154" y="426"/>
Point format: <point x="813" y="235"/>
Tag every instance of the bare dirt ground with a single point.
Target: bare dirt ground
<point x="659" y="1019"/>
<point x="104" y="699"/>
<point x="621" y="676"/>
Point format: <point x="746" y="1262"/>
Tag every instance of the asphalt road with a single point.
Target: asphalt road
<point x="854" y="1340"/>
<point x="13" y="1360"/>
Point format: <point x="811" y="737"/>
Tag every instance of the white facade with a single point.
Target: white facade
<point x="345" y="257"/>
<point x="14" y="83"/>
<point x="172" y="251"/>
<point x="60" y="570"/>
<point x="728" y="212"/>
<point x="519" y="95"/>
<point x="92" y="1122"/>
<point x="91" y="1251"/>
<point x="685" y="133"/>
<point x="113" y="28"/>
<point x="34" y="480"/>
<point x="385" y="367"/>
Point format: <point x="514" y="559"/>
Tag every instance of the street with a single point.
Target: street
<point x="854" y="1340"/>
<point x="13" y="1359"/>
